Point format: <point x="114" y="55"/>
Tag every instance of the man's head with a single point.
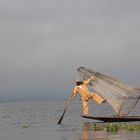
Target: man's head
<point x="79" y="82"/>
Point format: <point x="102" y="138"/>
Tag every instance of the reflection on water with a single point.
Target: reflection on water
<point x="88" y="133"/>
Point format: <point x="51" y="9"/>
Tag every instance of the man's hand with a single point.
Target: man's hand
<point x="69" y="99"/>
<point x="93" y="78"/>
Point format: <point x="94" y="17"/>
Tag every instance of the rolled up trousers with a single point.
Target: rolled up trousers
<point x="98" y="99"/>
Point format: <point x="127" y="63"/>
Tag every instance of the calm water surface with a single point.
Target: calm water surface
<point x="41" y="119"/>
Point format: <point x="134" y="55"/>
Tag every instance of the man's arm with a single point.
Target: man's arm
<point x="74" y="94"/>
<point x="89" y="80"/>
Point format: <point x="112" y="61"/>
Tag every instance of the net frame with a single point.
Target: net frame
<point x="121" y="96"/>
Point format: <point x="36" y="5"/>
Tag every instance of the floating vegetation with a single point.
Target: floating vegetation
<point x="26" y="126"/>
<point x="115" y="127"/>
<point x="98" y="127"/>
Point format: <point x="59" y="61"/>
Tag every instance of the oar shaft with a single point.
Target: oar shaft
<point x="61" y="118"/>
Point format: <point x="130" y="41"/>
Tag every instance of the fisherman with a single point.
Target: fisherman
<point x="81" y="88"/>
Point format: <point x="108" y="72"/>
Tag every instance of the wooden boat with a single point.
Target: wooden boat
<point x="114" y="118"/>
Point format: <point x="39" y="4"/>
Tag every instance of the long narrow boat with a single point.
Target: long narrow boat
<point x="114" y="118"/>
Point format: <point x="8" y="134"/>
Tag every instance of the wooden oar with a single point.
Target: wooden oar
<point x="61" y="118"/>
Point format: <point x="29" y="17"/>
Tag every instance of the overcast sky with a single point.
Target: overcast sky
<point x="43" y="42"/>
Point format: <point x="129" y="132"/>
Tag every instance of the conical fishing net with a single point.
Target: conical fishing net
<point x="121" y="96"/>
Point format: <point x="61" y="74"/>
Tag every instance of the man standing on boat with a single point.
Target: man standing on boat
<point x="82" y="89"/>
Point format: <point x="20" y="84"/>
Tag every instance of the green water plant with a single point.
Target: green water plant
<point x="115" y="127"/>
<point x="98" y="127"/>
<point x="26" y="126"/>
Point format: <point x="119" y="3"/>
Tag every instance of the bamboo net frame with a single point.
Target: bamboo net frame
<point x="121" y="96"/>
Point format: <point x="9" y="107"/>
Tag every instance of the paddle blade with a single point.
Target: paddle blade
<point x="61" y="118"/>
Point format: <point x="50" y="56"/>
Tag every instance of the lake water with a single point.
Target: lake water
<point x="38" y="121"/>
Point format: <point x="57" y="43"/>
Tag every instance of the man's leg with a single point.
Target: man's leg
<point x="85" y="108"/>
<point x="98" y="99"/>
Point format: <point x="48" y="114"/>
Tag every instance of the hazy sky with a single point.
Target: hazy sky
<point x="43" y="42"/>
